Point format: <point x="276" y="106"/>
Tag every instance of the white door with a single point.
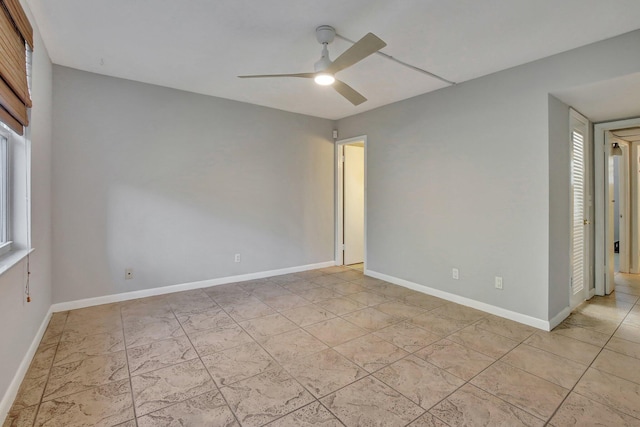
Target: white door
<point x="353" y="204"/>
<point x="579" y="210"/>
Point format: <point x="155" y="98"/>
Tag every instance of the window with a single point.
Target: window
<point x="5" y="213"/>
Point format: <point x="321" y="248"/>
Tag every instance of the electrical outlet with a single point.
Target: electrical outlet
<point x="236" y="258"/>
<point x="455" y="273"/>
<point x="128" y="273"/>
<point x="498" y="282"/>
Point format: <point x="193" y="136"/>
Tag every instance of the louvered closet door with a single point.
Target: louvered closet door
<point x="579" y="212"/>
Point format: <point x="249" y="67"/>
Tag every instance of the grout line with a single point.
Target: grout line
<point x="126" y="355"/>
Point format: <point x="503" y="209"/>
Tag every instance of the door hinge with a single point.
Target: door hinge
<point x="342" y="159"/>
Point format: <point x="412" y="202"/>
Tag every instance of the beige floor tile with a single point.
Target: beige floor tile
<point x="30" y="391"/>
<point x="312" y="415"/>
<point x="265" y="397"/>
<point x="103" y="406"/>
<point x="485" y="342"/>
<point x="88" y="346"/>
<point x="292" y="345"/>
<point x="424" y="301"/>
<point x="470" y="406"/>
<point x="369" y="402"/>
<point x="267" y="326"/>
<point x="324" y="372"/>
<point x="159" y="354"/>
<point x="528" y="392"/>
<point x="148" y="332"/>
<point x="90" y="327"/>
<point x="459" y="312"/>
<point x="285" y="302"/>
<point x="238" y="363"/>
<point x="158" y="389"/>
<point x="370" y="352"/>
<point x="308" y="314"/>
<point x="581" y="334"/>
<point x="208" y="409"/>
<point x="618" y="364"/>
<point x="350" y="275"/>
<point x="326" y="280"/>
<point x="78" y="376"/>
<point x="310" y="274"/>
<point x="335" y="331"/>
<point x="428" y="420"/>
<point x="545" y="365"/>
<point x="271" y="291"/>
<point x="345" y="288"/>
<point x="201" y="320"/>
<point x="368" y="298"/>
<point x="423" y="383"/>
<point x="629" y="333"/>
<point x="566" y="347"/>
<point x="371" y="319"/>
<point x="219" y="339"/>
<point x="438" y="324"/>
<point x="455" y="359"/>
<point x="250" y="309"/>
<point x="407" y="336"/>
<point x="400" y="309"/>
<point x="594" y="323"/>
<point x="300" y="286"/>
<point x="340" y="306"/>
<point x="610" y="390"/>
<point x="316" y="295"/>
<point x="103" y="313"/>
<point x="625" y="347"/>
<point x="21" y="418"/>
<point x="579" y="411"/>
<point x="505" y="327"/>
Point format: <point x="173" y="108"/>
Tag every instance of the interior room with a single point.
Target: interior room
<point x="332" y="213"/>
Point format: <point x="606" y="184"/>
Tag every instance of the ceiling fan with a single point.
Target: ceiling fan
<point x="325" y="69"/>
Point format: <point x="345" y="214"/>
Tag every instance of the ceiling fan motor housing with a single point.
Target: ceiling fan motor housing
<point x="325" y="34"/>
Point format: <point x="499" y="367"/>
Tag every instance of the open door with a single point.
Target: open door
<point x="351" y="218"/>
<point x="353" y="204"/>
<point x="579" y="128"/>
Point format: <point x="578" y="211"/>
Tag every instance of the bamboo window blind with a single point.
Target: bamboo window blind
<point x="16" y="36"/>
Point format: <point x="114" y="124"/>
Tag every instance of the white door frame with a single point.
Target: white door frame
<point x="603" y="281"/>
<point x="339" y="215"/>
<point x="624" y="199"/>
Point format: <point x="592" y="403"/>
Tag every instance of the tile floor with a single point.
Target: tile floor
<point x="331" y="347"/>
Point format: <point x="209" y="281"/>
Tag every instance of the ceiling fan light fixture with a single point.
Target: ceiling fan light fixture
<point x="324" y="79"/>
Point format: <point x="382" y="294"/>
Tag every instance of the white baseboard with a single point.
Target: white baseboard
<point x="488" y="308"/>
<point x="125" y="296"/>
<point x="14" y="386"/>
<point x="558" y="318"/>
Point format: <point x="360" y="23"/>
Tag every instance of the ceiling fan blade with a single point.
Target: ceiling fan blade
<point x="348" y="92"/>
<point x="303" y="75"/>
<point x="361" y="49"/>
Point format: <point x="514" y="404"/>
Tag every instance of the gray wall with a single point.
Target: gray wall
<point x="19" y="321"/>
<point x="461" y="178"/>
<point x="560" y="199"/>
<point x="173" y="184"/>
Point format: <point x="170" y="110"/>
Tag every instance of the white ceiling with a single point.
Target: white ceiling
<point x="202" y="45"/>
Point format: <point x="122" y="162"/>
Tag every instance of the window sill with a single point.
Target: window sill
<point x="12" y="258"/>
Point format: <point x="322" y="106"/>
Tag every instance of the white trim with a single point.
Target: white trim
<point x="488" y="308"/>
<point x="600" y="216"/>
<point x="14" y="386"/>
<point x="339" y="157"/>
<point x="125" y="296"/>
<point x="558" y="318"/>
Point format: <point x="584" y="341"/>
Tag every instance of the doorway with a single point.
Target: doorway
<point x="351" y="201"/>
